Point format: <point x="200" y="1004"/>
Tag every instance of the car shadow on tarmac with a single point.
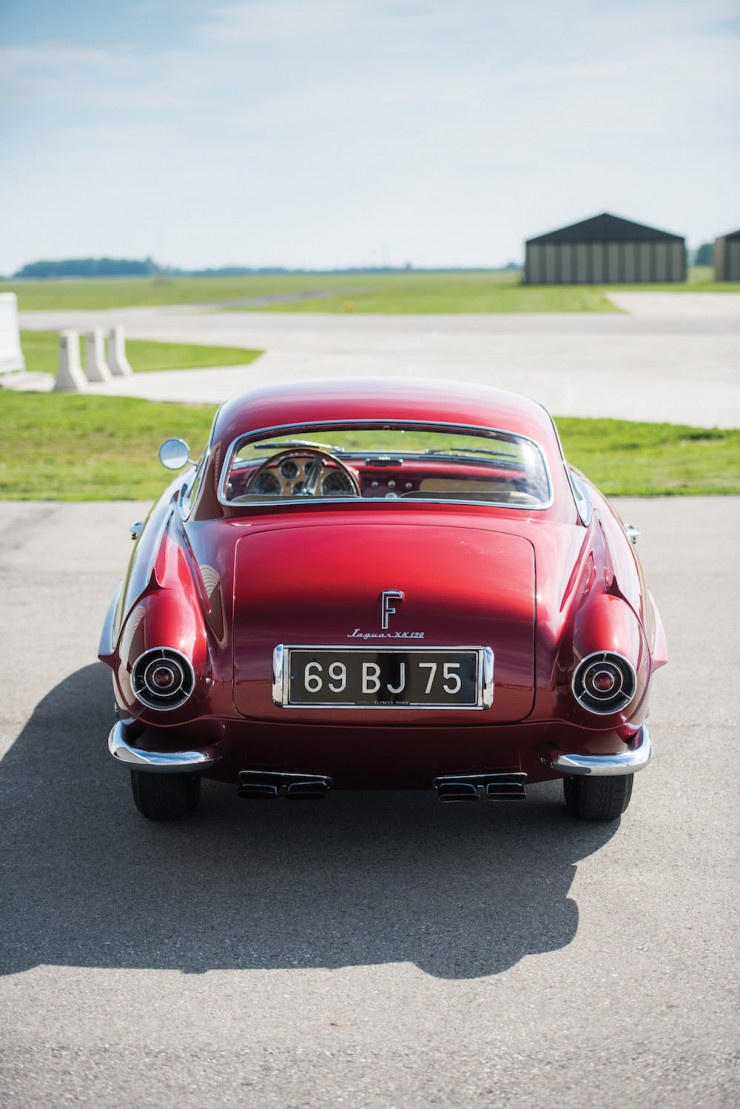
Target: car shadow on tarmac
<point x="462" y="891"/>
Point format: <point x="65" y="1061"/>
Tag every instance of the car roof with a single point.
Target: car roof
<point x="328" y="400"/>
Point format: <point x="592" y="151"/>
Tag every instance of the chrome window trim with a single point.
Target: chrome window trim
<point x="280" y="677"/>
<point x="432" y="425"/>
<point x="189" y="490"/>
<point x="206" y="457"/>
<point x="583" y="502"/>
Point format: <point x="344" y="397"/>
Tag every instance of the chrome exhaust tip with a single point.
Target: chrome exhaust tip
<point x="258" y="791"/>
<point x="268" y="785"/>
<point x="509" y="787"/>
<point x="456" y="791"/>
<point x="468" y="787"/>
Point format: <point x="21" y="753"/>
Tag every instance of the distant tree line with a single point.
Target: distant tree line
<point x="276" y="271"/>
<point x="126" y="267"/>
<point x="89" y="267"/>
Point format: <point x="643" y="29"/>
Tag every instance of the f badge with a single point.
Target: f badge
<point x="386" y="608"/>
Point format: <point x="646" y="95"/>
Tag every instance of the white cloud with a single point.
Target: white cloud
<point x="321" y="132"/>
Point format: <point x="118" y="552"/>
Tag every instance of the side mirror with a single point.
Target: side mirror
<point x="174" y="454"/>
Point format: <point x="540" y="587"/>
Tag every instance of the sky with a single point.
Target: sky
<point x="335" y="133"/>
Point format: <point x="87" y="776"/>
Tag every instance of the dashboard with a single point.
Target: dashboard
<point x="314" y="473"/>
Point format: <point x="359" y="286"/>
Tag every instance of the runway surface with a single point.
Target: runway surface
<point x="374" y="949"/>
<point x="671" y="357"/>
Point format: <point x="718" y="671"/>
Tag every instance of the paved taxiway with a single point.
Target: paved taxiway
<point x="371" y="950"/>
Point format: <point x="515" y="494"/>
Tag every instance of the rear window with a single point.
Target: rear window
<point x="400" y="461"/>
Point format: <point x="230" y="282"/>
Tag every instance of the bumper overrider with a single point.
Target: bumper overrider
<point x="159" y="762"/>
<point x="630" y="761"/>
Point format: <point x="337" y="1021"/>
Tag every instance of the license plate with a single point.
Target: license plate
<point x="391" y="677"/>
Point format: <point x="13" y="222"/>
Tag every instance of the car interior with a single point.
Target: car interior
<point x="399" y="463"/>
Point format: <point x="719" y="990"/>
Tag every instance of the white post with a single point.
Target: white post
<point x="11" y="355"/>
<point x="70" y="378"/>
<point x="118" y="363"/>
<point x="96" y="367"/>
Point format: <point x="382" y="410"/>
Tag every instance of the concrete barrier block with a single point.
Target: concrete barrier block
<point x="96" y="367"/>
<point x="70" y="378"/>
<point x="11" y="355"/>
<point x="118" y="363"/>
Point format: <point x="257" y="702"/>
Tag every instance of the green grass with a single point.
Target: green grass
<point x="71" y="447"/>
<point x="702" y="275"/>
<point x="641" y="459"/>
<point x="452" y="293"/>
<point x="40" y="352"/>
<point x="427" y="292"/>
<point x="145" y="291"/>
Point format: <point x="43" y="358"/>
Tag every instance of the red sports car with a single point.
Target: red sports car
<point x="380" y="584"/>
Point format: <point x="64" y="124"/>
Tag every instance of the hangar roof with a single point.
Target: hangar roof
<point x="606" y="228"/>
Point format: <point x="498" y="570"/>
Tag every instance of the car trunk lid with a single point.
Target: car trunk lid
<point x="322" y="585"/>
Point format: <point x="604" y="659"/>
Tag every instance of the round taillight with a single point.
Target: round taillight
<point x="162" y="678"/>
<point x="604" y="682"/>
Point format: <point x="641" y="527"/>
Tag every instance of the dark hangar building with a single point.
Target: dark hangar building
<point x="726" y="257"/>
<point x="604" y="250"/>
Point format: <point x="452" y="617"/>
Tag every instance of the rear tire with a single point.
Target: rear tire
<point x="165" y="796"/>
<point x="598" y="798"/>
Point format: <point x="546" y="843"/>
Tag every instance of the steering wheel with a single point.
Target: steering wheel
<point x="315" y="464"/>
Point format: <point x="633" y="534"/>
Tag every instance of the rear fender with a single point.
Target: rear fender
<point x="107" y="644"/>
<point x="168" y="614"/>
<point x="605" y="622"/>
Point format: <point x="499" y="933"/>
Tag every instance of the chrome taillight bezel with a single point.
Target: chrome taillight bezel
<point x="616" y="699"/>
<point x="162" y="699"/>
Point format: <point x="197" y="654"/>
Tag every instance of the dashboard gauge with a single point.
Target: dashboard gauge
<point x="289" y="469"/>
<point x="298" y="487"/>
<point x="267" y="485"/>
<point x="336" y="484"/>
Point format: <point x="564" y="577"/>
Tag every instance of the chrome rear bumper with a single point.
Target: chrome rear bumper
<point x="183" y="762"/>
<point x="628" y="762"/>
<point x="158" y="762"/>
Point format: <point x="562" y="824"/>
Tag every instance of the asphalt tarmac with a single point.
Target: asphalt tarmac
<point x="374" y="949"/>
